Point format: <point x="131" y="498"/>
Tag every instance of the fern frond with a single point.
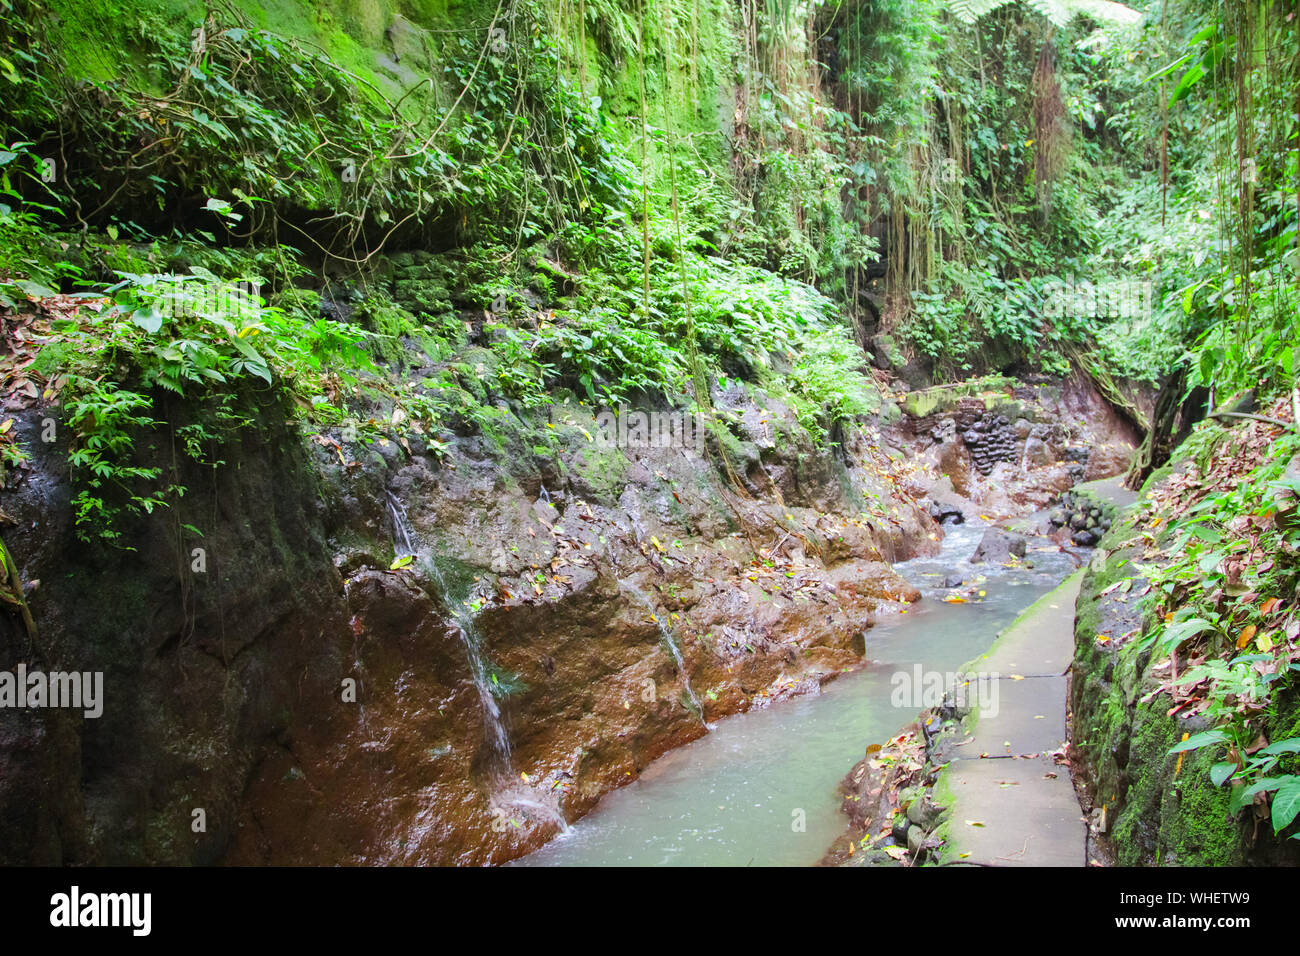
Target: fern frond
<point x="1106" y="10"/>
<point x="968" y="11"/>
<point x="1059" y="12"/>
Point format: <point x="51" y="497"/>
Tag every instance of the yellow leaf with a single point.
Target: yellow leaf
<point x="1247" y="635"/>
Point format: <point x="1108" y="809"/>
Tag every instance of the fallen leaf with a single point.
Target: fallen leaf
<point x="1247" y="635"/>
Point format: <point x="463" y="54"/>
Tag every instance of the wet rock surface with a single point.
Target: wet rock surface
<point x="999" y="547"/>
<point x="1007" y="448"/>
<point x="990" y="440"/>
<point x="203" y="670"/>
<point x="315" y="696"/>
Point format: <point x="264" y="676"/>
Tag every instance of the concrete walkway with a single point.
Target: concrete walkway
<point x="1011" y="804"/>
<point x="1109" y="489"/>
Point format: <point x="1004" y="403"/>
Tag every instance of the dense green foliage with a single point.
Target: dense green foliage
<point x="1224" y="242"/>
<point x="451" y="217"/>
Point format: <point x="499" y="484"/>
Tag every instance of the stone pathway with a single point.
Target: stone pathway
<point x="1011" y="804"/>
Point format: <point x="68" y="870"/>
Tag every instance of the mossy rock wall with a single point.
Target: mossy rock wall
<point x="1157" y="812"/>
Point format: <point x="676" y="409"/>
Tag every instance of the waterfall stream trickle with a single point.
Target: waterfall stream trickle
<point x="504" y="790"/>
<point x="674" y="650"/>
<point x="497" y="737"/>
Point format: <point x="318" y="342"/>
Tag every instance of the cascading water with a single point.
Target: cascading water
<point x="674" y="650"/>
<point x="497" y="738"/>
<point x="638" y="534"/>
<point x="505" y="790"/>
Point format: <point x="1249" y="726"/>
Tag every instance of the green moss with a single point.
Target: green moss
<point x="928" y="401"/>
<point x="93" y="34"/>
<point x="1157" y="811"/>
<point x="1170" y="814"/>
<point x="942" y="795"/>
<point x="52" y="358"/>
<point x="603" y="469"/>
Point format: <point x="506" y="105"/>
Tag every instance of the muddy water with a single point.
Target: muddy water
<point x="736" y="796"/>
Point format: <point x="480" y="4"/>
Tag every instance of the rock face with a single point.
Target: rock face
<point x="998" y="547"/>
<point x="203" y="670"/>
<point x="990" y="441"/>
<point x="322" y="708"/>
<point x="1008" y="447"/>
<point x="946" y="512"/>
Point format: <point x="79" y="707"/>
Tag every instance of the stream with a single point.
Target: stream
<point x="731" y="798"/>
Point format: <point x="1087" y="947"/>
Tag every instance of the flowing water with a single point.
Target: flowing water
<point x="406" y="543"/>
<point x="675" y="651"/>
<point x="736" y="796"/>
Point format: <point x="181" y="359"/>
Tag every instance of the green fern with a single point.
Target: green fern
<point x="1059" y="12"/>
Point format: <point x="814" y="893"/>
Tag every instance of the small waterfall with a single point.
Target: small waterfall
<point x="498" y="739"/>
<point x="506" y="789"/>
<point x="675" y="651"/>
